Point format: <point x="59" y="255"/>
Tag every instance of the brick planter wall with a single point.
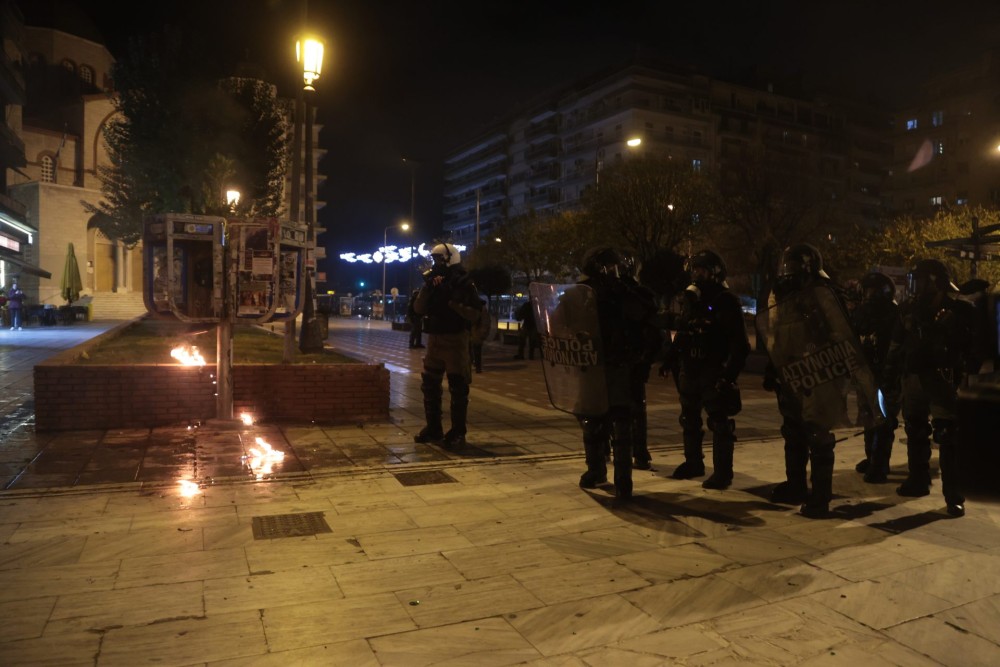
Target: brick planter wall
<point x="79" y="397"/>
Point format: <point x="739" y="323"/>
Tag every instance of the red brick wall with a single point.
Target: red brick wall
<point x="78" y="397"/>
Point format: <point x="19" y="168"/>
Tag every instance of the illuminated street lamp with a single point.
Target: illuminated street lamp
<point x="309" y="54"/>
<point x="631" y="142"/>
<point x="385" y="242"/>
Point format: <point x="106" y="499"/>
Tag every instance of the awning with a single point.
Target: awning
<point x="25" y="267"/>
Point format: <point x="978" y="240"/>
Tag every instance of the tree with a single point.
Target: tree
<point x="903" y="240"/>
<point x="647" y="203"/>
<point x="178" y="132"/>
<point x="536" y="246"/>
<point x="768" y="202"/>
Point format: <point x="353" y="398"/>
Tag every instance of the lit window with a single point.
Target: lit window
<point x="69" y="65"/>
<point x="937" y="201"/>
<point x="937" y="118"/>
<point x="87" y="73"/>
<point x="696" y="165"/>
<point x="911" y="124"/>
<point x="962" y="201"/>
<point x="48" y="169"/>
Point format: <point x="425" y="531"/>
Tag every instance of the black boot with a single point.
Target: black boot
<point x="458" y="387"/>
<point x="623" y="457"/>
<point x="793" y="490"/>
<point x="640" y="447"/>
<point x="723" y="443"/>
<point x="817" y="505"/>
<point x="431" y="387"/>
<point x="694" y="458"/>
<point x="595" y="438"/>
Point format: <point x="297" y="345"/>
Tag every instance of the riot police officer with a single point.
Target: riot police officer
<point x="930" y="352"/>
<point x="805" y="428"/>
<point x="706" y="357"/>
<point x="449" y="302"/>
<point x="874" y="320"/>
<point x="622" y="312"/>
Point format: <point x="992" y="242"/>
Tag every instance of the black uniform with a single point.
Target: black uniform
<point x="932" y="350"/>
<point x="624" y="314"/>
<point x="874" y="320"/>
<point x="706" y="356"/>
<point x="416" y="322"/>
<point x="807" y="442"/>
<point x="449" y="302"/>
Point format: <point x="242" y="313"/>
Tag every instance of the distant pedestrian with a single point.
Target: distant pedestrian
<point x="15" y="302"/>
<point x="527" y="333"/>
<point x="479" y="332"/>
<point x="416" y="322"/>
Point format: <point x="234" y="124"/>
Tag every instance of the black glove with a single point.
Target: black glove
<point x="729" y="397"/>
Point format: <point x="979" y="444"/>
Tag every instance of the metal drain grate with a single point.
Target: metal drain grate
<point x="424" y="477"/>
<point x="289" y="525"/>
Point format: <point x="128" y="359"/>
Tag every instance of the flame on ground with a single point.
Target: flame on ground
<point x="247" y="418"/>
<point x="263" y="458"/>
<point x="188" y="357"/>
<point x="188" y="488"/>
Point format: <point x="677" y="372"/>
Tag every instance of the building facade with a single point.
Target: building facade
<point x="67" y="106"/>
<point x="18" y="238"/>
<point x="543" y="157"/>
<point x="947" y="145"/>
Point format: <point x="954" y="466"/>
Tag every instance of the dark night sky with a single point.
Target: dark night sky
<point x="416" y="78"/>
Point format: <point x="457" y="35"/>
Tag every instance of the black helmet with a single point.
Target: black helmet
<point x="604" y="259"/>
<point x="877" y="284"/>
<point x="711" y="262"/>
<point x="932" y="269"/>
<point x="802" y="259"/>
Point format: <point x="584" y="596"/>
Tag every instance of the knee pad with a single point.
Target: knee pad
<point x="595" y="429"/>
<point x="917" y="430"/>
<point x="945" y="431"/>
<point x="431" y="381"/>
<point x="690" y="420"/>
<point x="720" y="425"/>
<point x="457" y="385"/>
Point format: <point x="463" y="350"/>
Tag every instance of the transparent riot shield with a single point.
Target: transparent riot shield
<point x="572" y="354"/>
<point x="816" y="354"/>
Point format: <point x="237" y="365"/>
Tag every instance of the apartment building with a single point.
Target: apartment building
<point x="544" y="156"/>
<point x="947" y="144"/>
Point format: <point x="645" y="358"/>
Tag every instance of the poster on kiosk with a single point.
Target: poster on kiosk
<point x="182" y="273"/>
<point x="269" y="258"/>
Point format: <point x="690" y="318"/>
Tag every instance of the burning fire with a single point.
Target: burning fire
<point x="188" y="357"/>
<point x="247" y="418"/>
<point x="188" y="488"/>
<point x="262" y="460"/>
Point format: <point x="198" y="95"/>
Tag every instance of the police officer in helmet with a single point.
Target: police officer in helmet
<point x="706" y="356"/>
<point x="874" y="320"/>
<point x="931" y="351"/>
<point x="807" y="442"/>
<point x="449" y="303"/>
<point x="623" y="313"/>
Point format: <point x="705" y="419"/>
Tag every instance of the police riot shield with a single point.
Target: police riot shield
<point x="572" y="354"/>
<point x="817" y="355"/>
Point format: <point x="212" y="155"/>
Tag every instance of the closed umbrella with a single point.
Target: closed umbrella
<point x="71" y="282"/>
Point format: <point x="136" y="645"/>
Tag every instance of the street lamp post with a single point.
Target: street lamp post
<point x="309" y="52"/>
<point x="385" y="243"/>
<point x="631" y="142"/>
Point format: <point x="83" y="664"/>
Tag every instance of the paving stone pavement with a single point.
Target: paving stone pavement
<point x="362" y="548"/>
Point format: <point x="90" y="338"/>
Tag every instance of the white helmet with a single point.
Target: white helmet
<point x="447" y="254"/>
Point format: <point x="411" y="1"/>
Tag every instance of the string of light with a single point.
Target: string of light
<point x="390" y="253"/>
